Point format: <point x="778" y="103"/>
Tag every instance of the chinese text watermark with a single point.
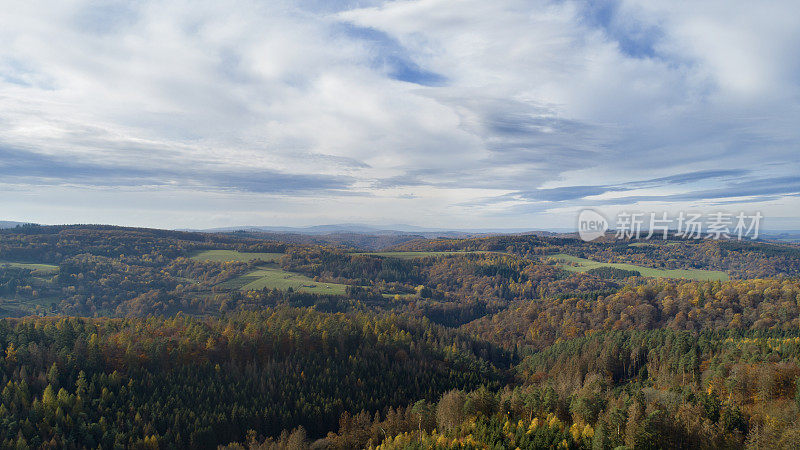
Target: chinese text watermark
<point x="640" y="225"/>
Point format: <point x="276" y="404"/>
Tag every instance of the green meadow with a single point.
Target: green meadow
<point x="38" y="269"/>
<point x="652" y="244"/>
<point x="412" y="255"/>
<point x="575" y="264"/>
<point x="267" y="275"/>
<point x="276" y="278"/>
<point x="233" y="255"/>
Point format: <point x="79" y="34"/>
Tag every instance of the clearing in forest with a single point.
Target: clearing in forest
<point x="233" y="255"/>
<point x="412" y="255"/>
<point x="575" y="264"/>
<point x="273" y="277"/>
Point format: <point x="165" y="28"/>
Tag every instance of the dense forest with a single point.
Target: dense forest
<point x="140" y="338"/>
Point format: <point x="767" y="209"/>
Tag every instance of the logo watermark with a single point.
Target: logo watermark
<point x="591" y="225"/>
<point x="640" y="225"/>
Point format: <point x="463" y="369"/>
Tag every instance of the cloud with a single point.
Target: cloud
<point x="483" y="110"/>
<point x="743" y="187"/>
<point x="635" y="36"/>
<point x="682" y="178"/>
<point x="388" y="55"/>
<point x="584" y="193"/>
<point x="25" y="167"/>
<point x="768" y="188"/>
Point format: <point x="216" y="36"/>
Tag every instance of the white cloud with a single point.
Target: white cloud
<point x="526" y="94"/>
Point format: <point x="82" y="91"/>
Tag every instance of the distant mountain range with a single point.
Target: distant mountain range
<point x="781" y="236"/>
<point x="384" y="236"/>
<point x="10" y="224"/>
<point x="361" y="236"/>
<point x="378" y="230"/>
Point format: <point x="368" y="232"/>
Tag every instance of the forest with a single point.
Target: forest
<point x="116" y="337"/>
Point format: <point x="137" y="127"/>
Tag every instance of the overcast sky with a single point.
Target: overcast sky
<point x="454" y="114"/>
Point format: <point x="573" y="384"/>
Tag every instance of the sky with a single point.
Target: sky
<point x="440" y="114"/>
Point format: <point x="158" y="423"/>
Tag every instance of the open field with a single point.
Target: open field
<point x="38" y="269"/>
<point x="691" y="274"/>
<point x="274" y="277"/>
<point x="412" y="255"/>
<point x="400" y="296"/>
<point x="40" y="277"/>
<point x="16" y="306"/>
<point x="233" y="255"/>
<point x="651" y="244"/>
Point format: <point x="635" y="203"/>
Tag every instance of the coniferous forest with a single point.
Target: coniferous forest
<point x="141" y="338"/>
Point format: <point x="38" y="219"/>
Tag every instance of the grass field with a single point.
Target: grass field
<point x="652" y="244"/>
<point x="412" y="255"/>
<point x="691" y="274"/>
<point x="233" y="255"/>
<point x="38" y="269"/>
<point x="41" y="275"/>
<point x="274" y="277"/>
<point x="400" y="296"/>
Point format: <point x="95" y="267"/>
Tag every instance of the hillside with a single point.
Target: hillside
<point x="162" y="338"/>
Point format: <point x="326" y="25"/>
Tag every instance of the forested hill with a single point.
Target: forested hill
<point x="744" y="259"/>
<point x="126" y="337"/>
<point x="197" y="383"/>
